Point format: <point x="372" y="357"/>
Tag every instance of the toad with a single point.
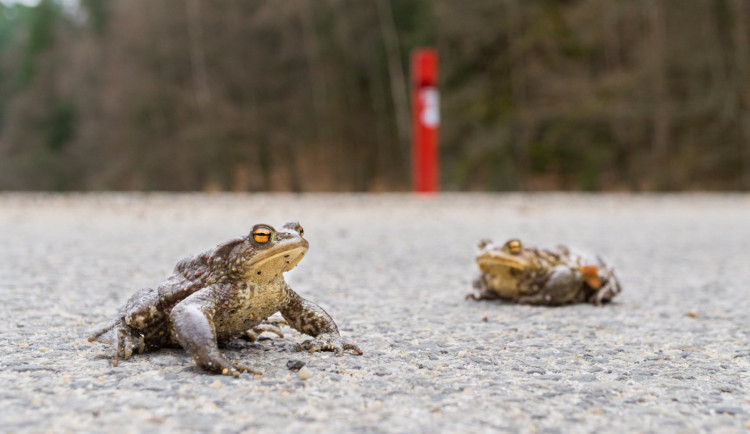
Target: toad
<point x="523" y="274"/>
<point x="221" y="294"/>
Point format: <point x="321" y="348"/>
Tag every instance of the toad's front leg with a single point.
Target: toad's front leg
<point x="309" y="318"/>
<point x="482" y="290"/>
<point x="192" y="320"/>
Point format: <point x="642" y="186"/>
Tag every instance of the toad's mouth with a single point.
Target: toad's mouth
<point x="293" y="254"/>
<point x="489" y="260"/>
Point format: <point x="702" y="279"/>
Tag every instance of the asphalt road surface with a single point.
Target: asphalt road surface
<point x="670" y="354"/>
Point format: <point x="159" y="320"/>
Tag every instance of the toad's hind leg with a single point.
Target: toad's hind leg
<point x="123" y="339"/>
<point x="143" y="310"/>
<point x="125" y="333"/>
<point x="563" y="285"/>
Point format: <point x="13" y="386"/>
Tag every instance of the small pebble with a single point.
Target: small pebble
<point x="295" y="365"/>
<point x="305" y="373"/>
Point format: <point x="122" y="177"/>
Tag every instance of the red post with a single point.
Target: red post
<point x="425" y="120"/>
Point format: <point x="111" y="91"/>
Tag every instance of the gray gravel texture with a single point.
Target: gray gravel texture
<point x="671" y="354"/>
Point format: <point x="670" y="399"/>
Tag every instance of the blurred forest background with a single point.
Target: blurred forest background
<point x="250" y="95"/>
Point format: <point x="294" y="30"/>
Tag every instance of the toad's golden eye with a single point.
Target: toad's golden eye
<point x="514" y="247"/>
<point x="261" y="235"/>
<point x="301" y="231"/>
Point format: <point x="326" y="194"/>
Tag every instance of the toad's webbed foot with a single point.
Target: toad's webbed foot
<point x="329" y="342"/>
<point x="214" y="362"/>
<point x="210" y="359"/>
<point x="123" y="339"/>
<point x="271" y="325"/>
<point x="253" y="334"/>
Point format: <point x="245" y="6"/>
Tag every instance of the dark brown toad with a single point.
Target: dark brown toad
<point x="222" y="294"/>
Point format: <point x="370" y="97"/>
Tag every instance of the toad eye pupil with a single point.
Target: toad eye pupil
<point x="301" y="231"/>
<point x="261" y="236"/>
